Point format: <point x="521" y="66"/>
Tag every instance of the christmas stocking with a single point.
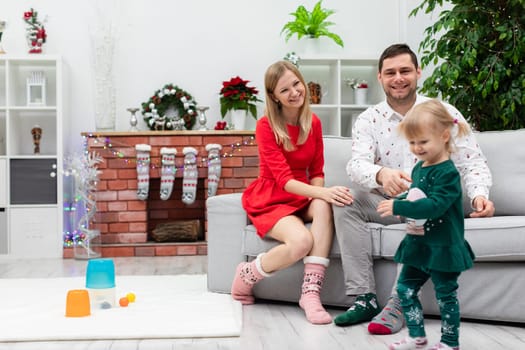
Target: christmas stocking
<point x="214" y="167"/>
<point x="143" y="160"/>
<point x="167" y="171"/>
<point x="189" y="180"/>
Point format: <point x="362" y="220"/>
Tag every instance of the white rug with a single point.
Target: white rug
<point x="166" y="307"/>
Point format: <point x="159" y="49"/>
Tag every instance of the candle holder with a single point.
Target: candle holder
<point x="202" y="117"/>
<point x="133" y="121"/>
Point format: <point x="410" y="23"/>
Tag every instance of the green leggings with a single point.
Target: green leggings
<point x="410" y="281"/>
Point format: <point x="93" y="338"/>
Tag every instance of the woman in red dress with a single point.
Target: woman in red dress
<point x="290" y="192"/>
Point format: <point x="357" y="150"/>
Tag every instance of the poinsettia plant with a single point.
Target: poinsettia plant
<point x="236" y="94"/>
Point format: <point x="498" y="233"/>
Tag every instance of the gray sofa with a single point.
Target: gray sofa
<point x="492" y="290"/>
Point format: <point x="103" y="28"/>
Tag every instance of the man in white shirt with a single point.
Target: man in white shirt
<point x="380" y="167"/>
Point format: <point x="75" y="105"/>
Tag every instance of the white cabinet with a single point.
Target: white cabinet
<point x="338" y="109"/>
<point x="35" y="232"/>
<point x="30" y="156"/>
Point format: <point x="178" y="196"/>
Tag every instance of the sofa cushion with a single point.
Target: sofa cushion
<point x="505" y="153"/>
<point x="499" y="238"/>
<point x="253" y="245"/>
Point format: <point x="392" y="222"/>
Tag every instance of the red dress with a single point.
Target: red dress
<point x="265" y="199"/>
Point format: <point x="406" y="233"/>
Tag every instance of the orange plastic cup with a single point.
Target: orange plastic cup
<point x="77" y="303"/>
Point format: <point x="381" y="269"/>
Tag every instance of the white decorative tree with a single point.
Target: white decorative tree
<point x="84" y="170"/>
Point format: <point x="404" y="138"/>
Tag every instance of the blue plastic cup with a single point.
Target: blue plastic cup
<point x="100" y="283"/>
<point x="100" y="274"/>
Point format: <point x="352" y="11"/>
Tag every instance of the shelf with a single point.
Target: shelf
<point x="22" y="121"/>
<point x="30" y="177"/>
<point x="337" y="109"/>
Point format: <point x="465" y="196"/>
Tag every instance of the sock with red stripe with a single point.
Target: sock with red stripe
<point x="390" y="320"/>
<point x="143" y="161"/>
<point x="190" y="176"/>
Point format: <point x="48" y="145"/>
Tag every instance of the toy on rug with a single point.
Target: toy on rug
<point x="126" y="300"/>
<point x="77" y="303"/>
<point x="100" y="283"/>
<point x="123" y="301"/>
<point x="131" y="297"/>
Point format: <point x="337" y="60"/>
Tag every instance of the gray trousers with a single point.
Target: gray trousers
<point x="355" y="239"/>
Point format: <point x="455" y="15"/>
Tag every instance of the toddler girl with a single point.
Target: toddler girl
<point x="439" y="251"/>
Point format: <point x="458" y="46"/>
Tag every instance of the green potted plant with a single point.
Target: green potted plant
<point x="477" y="47"/>
<point x="312" y="24"/>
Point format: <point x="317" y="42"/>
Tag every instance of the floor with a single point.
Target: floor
<point x="266" y="325"/>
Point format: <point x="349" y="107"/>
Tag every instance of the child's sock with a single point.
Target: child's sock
<point x="214" y="167"/>
<point x="168" y="171"/>
<point x="143" y="161"/>
<point x="390" y="320"/>
<point x="443" y="346"/>
<point x="409" y="343"/>
<point x="310" y="302"/>
<point x="189" y="181"/>
<point x="247" y="275"/>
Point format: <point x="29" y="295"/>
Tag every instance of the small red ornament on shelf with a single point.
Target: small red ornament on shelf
<point x="221" y="125"/>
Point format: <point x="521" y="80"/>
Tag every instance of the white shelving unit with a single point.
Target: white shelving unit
<point x="30" y="184"/>
<point x="337" y="109"/>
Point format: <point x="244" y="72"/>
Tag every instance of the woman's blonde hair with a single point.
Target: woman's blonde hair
<point x="273" y="106"/>
<point x="432" y="115"/>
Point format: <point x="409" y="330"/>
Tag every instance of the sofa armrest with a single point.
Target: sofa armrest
<point x="226" y="222"/>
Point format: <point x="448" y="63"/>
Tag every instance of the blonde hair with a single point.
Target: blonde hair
<point x="432" y="115"/>
<point x="273" y="107"/>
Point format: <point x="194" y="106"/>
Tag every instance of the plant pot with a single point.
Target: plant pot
<point x="360" y="96"/>
<point x="238" y="118"/>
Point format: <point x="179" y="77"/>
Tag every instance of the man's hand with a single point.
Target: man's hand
<point x="483" y="207"/>
<point x="393" y="181"/>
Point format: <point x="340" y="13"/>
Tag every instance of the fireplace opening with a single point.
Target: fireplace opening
<point x="172" y="220"/>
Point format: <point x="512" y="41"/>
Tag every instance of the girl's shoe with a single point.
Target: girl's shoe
<point x="442" y="346"/>
<point x="409" y="344"/>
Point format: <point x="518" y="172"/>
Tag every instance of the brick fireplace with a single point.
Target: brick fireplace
<point x="125" y="222"/>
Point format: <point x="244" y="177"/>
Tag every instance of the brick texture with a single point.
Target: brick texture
<point x="126" y="223"/>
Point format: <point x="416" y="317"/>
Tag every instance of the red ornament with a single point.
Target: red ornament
<point x="221" y="125"/>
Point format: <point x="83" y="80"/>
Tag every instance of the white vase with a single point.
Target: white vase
<point x="311" y="46"/>
<point x="360" y="96"/>
<point x="238" y="118"/>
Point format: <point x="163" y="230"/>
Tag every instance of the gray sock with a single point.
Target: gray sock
<point x="390" y="320"/>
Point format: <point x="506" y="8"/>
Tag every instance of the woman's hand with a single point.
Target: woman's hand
<point x="338" y="195"/>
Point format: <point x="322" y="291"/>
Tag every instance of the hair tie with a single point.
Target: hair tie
<point x="455" y="120"/>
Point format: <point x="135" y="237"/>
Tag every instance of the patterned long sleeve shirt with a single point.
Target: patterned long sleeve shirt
<point x="376" y="143"/>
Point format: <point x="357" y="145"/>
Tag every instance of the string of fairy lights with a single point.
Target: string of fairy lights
<point x="73" y="208"/>
<point x="112" y="146"/>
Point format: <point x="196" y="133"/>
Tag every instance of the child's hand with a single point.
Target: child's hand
<point x="386" y="207"/>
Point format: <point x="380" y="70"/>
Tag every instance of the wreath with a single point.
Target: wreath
<point x="170" y="95"/>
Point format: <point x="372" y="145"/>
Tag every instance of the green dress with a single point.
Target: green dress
<point x="443" y="246"/>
